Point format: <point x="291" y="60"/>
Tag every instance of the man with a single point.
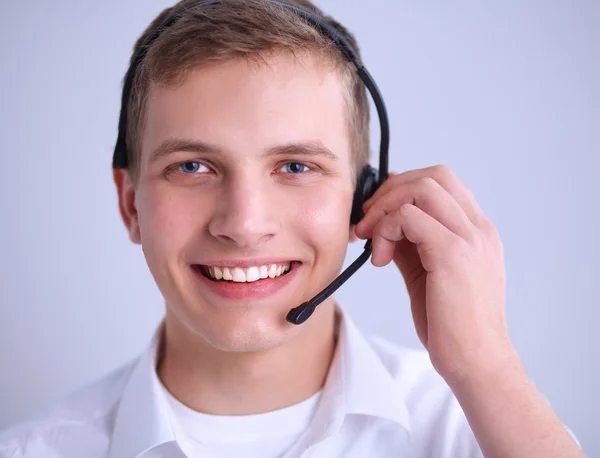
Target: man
<point x="246" y="133"/>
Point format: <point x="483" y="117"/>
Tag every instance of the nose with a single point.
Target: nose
<point x="244" y="216"/>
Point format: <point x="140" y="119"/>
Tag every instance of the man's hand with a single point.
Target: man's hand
<point x="450" y="256"/>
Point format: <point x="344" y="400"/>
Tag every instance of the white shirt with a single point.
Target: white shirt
<point x="379" y="400"/>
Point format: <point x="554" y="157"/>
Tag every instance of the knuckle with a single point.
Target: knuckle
<point x="406" y="210"/>
<point x="442" y="171"/>
<point x="427" y="183"/>
<point x="425" y="192"/>
<point x="425" y="187"/>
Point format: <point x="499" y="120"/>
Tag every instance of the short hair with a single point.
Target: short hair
<point x="240" y="29"/>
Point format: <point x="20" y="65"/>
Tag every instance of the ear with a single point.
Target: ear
<point x="126" y="194"/>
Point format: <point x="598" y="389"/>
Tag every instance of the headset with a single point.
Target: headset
<point x="369" y="178"/>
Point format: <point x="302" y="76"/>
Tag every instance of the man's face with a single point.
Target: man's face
<point x="245" y="171"/>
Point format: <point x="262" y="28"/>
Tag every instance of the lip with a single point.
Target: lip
<point x="245" y="263"/>
<point x="259" y="289"/>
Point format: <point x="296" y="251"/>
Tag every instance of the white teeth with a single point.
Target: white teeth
<point x="248" y="275"/>
<point x="272" y="271"/>
<point x="238" y="275"/>
<point x="264" y="272"/>
<point x="252" y="274"/>
<point x="218" y="273"/>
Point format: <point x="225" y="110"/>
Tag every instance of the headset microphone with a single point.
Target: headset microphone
<point x="303" y="312"/>
<point x="369" y="178"/>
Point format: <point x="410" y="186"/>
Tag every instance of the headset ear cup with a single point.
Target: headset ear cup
<point x="366" y="185"/>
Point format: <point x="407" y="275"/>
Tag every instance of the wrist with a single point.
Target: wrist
<point x="491" y="368"/>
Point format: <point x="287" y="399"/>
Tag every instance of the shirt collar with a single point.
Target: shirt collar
<point x="370" y="388"/>
<point x="357" y="383"/>
<point x="142" y="421"/>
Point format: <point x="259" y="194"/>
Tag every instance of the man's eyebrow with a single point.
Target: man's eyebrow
<point x="312" y="148"/>
<point x="173" y="145"/>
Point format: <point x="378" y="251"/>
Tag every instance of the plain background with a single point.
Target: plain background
<point x="505" y="93"/>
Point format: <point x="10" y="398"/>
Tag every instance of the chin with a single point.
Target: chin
<point x="243" y="328"/>
<point x="245" y="331"/>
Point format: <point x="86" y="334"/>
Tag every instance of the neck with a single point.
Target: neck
<point x="219" y="382"/>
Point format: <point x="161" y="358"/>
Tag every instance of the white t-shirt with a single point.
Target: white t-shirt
<point x="267" y="435"/>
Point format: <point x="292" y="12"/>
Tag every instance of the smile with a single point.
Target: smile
<point x="245" y="274"/>
<point x="247" y="282"/>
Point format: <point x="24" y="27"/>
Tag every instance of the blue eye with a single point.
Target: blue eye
<point x="295" y="168"/>
<point x="190" y="167"/>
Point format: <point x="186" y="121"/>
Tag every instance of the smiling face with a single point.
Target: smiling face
<point x="244" y="195"/>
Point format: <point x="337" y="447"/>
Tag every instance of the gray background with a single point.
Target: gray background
<point x="505" y="93"/>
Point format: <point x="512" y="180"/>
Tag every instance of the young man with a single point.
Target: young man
<point x="246" y="131"/>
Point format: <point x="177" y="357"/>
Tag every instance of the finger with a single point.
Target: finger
<point x="435" y="243"/>
<point x="440" y="173"/>
<point x="430" y="197"/>
<point x="446" y="178"/>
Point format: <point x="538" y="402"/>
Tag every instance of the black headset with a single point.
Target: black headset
<point x="369" y="178"/>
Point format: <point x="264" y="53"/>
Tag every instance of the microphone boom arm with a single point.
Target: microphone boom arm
<point x="301" y="313"/>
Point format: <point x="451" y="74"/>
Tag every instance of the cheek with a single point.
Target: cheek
<point x="326" y="219"/>
<point x="167" y="220"/>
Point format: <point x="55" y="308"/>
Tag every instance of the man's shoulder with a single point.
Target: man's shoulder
<point x="85" y="416"/>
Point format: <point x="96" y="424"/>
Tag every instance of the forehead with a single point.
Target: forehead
<point x="246" y="107"/>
